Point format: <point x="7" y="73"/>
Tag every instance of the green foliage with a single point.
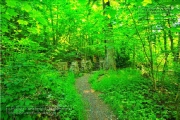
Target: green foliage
<point x="131" y="97"/>
<point x="37" y="33"/>
<point x="96" y="76"/>
<point x="30" y="86"/>
<point x="122" y="60"/>
<point x="26" y="85"/>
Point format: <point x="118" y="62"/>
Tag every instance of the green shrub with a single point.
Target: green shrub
<point x="130" y="95"/>
<point x="27" y="86"/>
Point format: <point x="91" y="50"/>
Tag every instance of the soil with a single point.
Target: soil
<point x="95" y="108"/>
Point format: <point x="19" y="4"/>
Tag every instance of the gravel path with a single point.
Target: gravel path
<point x="95" y="108"/>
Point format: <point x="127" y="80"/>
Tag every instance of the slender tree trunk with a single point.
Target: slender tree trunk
<point x="138" y="34"/>
<point x="151" y="65"/>
<point x="178" y="103"/>
<point x="134" y="55"/>
<point x="57" y="23"/>
<point x="170" y="36"/>
<point x="104" y="7"/>
<point x="178" y="74"/>
<point x="110" y="62"/>
<point x="166" y="57"/>
<point x="52" y="25"/>
<point x="178" y="53"/>
<point x="151" y="60"/>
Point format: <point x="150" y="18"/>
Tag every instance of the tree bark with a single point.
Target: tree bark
<point x="52" y="24"/>
<point x="166" y="57"/>
<point x="178" y="104"/>
<point x="110" y="62"/>
<point x="178" y="74"/>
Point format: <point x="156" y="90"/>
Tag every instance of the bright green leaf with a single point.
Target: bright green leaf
<point x="11" y="12"/>
<point x="22" y="22"/>
<point x="42" y="21"/>
<point x="26" y="7"/>
<point x="105" y="1"/>
<point x="3" y="100"/>
<point x="177" y="29"/>
<point x="28" y="102"/>
<point x="4" y="29"/>
<point x="27" y="118"/>
<point x="6" y="16"/>
<point x="145" y="2"/>
<point x="11" y="3"/>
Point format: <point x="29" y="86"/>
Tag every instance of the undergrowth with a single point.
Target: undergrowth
<point x="36" y="91"/>
<point x="132" y="97"/>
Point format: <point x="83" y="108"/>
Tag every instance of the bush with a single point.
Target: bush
<point x="130" y="95"/>
<point x="31" y="91"/>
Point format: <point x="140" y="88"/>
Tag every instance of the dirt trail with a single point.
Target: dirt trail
<point x="95" y="108"/>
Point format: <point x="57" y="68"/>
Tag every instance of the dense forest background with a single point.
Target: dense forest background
<point x="45" y="44"/>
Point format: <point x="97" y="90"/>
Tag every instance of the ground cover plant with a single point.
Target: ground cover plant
<point x="38" y="92"/>
<point x="131" y="95"/>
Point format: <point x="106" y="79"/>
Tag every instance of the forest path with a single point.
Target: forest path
<point x="95" y="108"/>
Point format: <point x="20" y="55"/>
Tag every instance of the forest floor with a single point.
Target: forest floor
<point x="95" y="108"/>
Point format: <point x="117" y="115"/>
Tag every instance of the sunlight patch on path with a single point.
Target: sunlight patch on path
<point x="89" y="91"/>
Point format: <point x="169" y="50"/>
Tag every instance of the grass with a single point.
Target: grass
<point x="132" y="97"/>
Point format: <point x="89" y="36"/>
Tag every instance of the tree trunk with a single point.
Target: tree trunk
<point x="134" y="56"/>
<point x="52" y="24"/>
<point x="170" y="35"/>
<point x="178" y="104"/>
<point x="166" y="57"/>
<point x="110" y="62"/>
<point x="178" y="74"/>
<point x="177" y="51"/>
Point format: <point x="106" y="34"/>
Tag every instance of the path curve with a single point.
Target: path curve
<point x="95" y="108"/>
